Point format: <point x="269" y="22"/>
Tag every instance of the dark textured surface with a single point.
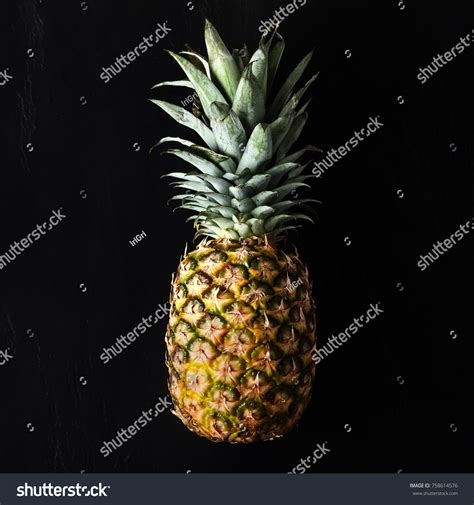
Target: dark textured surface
<point x="395" y="397"/>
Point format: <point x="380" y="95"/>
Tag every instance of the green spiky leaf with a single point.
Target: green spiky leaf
<point x="249" y="100"/>
<point x="291" y="106"/>
<point x="297" y="155"/>
<point x="259" y="67"/>
<point x="274" y="57"/>
<point x="263" y="211"/>
<point x="258" y="151"/>
<point x="205" y="88"/>
<point x="245" y="205"/>
<point x="279" y="129"/>
<point x="181" y="84"/>
<point x="292" y="136"/>
<point x="287" y="88"/>
<point x="187" y="119"/>
<point x="228" y="130"/>
<point x="203" y="165"/>
<point x="198" y="61"/>
<point x="223" y="66"/>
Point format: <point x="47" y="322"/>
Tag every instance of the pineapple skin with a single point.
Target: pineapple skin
<point x="239" y="340"/>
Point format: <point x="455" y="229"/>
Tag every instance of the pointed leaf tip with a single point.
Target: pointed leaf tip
<point x="223" y="66"/>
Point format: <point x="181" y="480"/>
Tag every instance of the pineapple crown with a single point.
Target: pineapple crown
<point x="245" y="177"/>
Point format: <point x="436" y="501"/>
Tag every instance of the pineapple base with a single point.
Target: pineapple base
<point x="239" y="340"/>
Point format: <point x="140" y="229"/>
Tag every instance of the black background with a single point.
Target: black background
<point x="402" y="385"/>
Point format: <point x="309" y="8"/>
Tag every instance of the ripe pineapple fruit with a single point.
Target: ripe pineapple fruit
<point x="242" y="322"/>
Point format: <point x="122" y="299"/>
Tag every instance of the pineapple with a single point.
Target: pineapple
<point x="242" y="320"/>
